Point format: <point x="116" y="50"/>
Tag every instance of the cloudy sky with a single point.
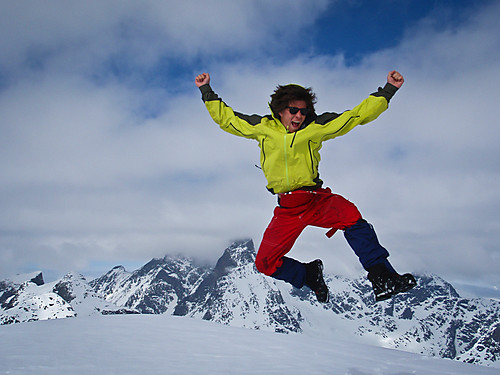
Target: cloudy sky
<point x="107" y="154"/>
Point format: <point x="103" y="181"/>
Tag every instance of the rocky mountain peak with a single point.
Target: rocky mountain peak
<point x="239" y="253"/>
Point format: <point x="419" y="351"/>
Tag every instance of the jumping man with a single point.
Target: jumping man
<point x="290" y="139"/>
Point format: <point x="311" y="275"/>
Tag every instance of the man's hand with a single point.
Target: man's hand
<point x="202" y="79"/>
<point x="395" y="79"/>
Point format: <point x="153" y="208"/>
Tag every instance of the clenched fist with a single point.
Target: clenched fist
<point x="395" y="78"/>
<point x="202" y="79"/>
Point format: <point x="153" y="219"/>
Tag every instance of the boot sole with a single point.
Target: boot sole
<point x="320" y="298"/>
<point x="403" y="287"/>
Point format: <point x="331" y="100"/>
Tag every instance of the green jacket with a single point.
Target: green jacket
<point x="290" y="160"/>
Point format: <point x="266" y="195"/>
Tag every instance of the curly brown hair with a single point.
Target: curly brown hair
<point x="283" y="95"/>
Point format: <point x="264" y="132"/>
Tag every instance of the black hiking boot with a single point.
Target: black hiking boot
<point x="387" y="284"/>
<point x="315" y="281"/>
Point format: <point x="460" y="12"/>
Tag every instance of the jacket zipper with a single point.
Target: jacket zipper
<point x="311" y="156"/>
<point x="286" y="161"/>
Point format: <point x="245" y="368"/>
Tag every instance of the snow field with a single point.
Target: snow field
<point x="164" y="344"/>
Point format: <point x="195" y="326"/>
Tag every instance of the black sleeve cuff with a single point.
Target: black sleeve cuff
<point x="390" y="88"/>
<point x="387" y="91"/>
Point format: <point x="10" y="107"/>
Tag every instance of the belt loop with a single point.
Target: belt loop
<point x="331" y="232"/>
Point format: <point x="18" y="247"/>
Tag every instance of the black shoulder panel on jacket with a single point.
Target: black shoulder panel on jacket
<point x="251" y="119"/>
<point x="326" y="117"/>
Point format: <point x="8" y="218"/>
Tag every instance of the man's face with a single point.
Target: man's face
<point x="291" y="121"/>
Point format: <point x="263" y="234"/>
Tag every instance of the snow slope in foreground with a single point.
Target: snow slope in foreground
<point x="164" y="344"/>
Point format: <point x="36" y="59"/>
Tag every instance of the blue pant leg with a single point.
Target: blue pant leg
<point x="363" y="240"/>
<point x="292" y="271"/>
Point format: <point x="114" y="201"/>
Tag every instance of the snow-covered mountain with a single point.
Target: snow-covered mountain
<point x="432" y="319"/>
<point x="27" y="298"/>
<point x="156" y="288"/>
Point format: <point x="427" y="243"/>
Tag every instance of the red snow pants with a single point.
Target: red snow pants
<point x="295" y="211"/>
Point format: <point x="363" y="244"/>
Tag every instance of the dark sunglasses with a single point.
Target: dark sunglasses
<point x="294" y="110"/>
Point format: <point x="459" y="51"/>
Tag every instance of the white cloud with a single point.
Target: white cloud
<point x="89" y="178"/>
<point x="94" y="35"/>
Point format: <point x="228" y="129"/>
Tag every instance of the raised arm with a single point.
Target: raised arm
<point x="230" y="121"/>
<point x="335" y="125"/>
